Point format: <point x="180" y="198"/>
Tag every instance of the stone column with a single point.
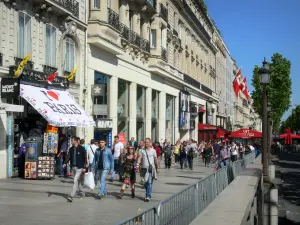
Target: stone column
<point x="124" y="13"/>
<point x="176" y="122"/>
<point x="136" y="23"/>
<point x="112" y="103"/>
<point x="196" y="136"/>
<point x="146" y="29"/>
<point x="148" y="113"/>
<point x="162" y="116"/>
<point x="132" y="110"/>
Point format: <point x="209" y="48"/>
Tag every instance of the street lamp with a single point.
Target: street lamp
<point x="264" y="81"/>
<point x="269" y="109"/>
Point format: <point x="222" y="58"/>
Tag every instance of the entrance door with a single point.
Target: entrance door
<point x="140" y="131"/>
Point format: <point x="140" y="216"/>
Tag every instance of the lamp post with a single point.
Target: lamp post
<point x="269" y="127"/>
<point x="264" y="81"/>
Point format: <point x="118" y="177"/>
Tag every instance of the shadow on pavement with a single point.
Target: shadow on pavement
<point x="50" y="193"/>
<point x="178" y="184"/>
<point x="291" y="187"/>
<point x="194" y="178"/>
<point x="285" y="221"/>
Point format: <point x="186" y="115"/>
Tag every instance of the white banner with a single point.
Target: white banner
<point x="58" y="107"/>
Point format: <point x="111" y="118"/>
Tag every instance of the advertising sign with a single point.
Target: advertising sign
<point x="10" y="145"/>
<point x="10" y="87"/>
<point x="109" y="139"/>
<point x="184" y="111"/>
<point x="56" y="106"/>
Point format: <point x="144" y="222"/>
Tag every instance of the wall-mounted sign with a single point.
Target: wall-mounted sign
<point x="100" y="110"/>
<point x="98" y="90"/>
<point x="104" y="124"/>
<point x="10" y="87"/>
<point x="11" y="108"/>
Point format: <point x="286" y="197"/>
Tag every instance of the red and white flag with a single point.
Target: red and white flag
<point x="237" y="82"/>
<point x="51" y="77"/>
<point x="244" y="88"/>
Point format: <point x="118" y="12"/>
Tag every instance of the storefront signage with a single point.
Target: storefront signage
<point x="10" y="87"/>
<point x="10" y="145"/>
<point x="98" y="90"/>
<point x="39" y="78"/>
<point x="52" y="129"/>
<point x="248" y="133"/>
<point x="104" y="124"/>
<point x="109" y="139"/>
<point x="206" y="127"/>
<point x="11" y="108"/>
<point x="56" y="106"/>
<point x="100" y="110"/>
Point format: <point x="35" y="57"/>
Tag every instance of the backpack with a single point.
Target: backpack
<point x="168" y="151"/>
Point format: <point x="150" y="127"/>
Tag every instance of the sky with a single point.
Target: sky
<point x="256" y="29"/>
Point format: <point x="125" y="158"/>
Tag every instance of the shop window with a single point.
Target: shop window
<point x="153" y="39"/>
<point x="123" y="98"/>
<point x="155" y="104"/>
<point x="24" y="35"/>
<point x="170" y="118"/>
<point x="50" y="45"/>
<point x="69" y="46"/>
<point x="140" y="104"/>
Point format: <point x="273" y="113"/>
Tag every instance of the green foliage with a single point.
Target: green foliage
<point x="293" y="120"/>
<point x="279" y="89"/>
<point x="202" y="3"/>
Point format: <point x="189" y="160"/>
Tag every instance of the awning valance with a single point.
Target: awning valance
<point x="58" y="107"/>
<point x="246" y="133"/>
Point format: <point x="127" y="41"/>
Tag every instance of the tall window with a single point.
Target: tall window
<point x="24" y="36"/>
<point x="174" y="22"/>
<point x="69" y="54"/>
<point x="50" y="45"/>
<point x="153" y="39"/>
<point x="97" y="4"/>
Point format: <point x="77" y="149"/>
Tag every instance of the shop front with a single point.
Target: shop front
<point x="170" y="104"/>
<point x="103" y="130"/>
<point x="207" y="132"/>
<point x="123" y="111"/>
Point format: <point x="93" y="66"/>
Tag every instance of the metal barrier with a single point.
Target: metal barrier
<point x="183" y="207"/>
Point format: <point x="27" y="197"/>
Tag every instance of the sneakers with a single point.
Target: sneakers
<point x="147" y="200"/>
<point x="70" y="199"/>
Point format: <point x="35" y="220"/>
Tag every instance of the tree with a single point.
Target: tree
<point x="293" y="120"/>
<point x="279" y="90"/>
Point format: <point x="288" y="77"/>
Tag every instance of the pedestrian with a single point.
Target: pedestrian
<point x="129" y="172"/>
<point x="78" y="161"/>
<point x="177" y="151"/>
<point x="191" y="152"/>
<point x="63" y="149"/>
<point x="150" y="166"/>
<point x="133" y="143"/>
<point x="186" y="148"/>
<point x="208" y="152"/>
<point x="242" y="150"/>
<point x="223" y="158"/>
<point x="234" y="152"/>
<point x="92" y="148"/>
<point x="103" y="164"/>
<point x="182" y="155"/>
<point x="158" y="149"/>
<point x="216" y="147"/>
<point x="117" y="149"/>
<point x="168" y="155"/>
<point x="142" y="175"/>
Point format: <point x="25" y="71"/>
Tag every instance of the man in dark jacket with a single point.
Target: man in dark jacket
<point x="133" y="143"/>
<point x="78" y="161"/>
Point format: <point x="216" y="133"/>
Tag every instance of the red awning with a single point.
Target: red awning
<point x="293" y="136"/>
<point x="221" y="133"/>
<point x="206" y="127"/>
<point x="246" y="133"/>
<point x="202" y="110"/>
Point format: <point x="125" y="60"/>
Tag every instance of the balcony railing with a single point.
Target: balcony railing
<point x="1" y="59"/>
<point x="164" y="54"/>
<point x="145" y="45"/>
<point x="29" y="64"/>
<point x="163" y="12"/>
<point x="175" y="33"/>
<point x="134" y="38"/>
<point x="124" y="31"/>
<point x="113" y="19"/>
<point x="49" y="69"/>
<point x="70" y="5"/>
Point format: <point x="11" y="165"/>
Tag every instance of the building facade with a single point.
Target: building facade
<point x="154" y="62"/>
<point x="54" y="32"/>
<point x="229" y="102"/>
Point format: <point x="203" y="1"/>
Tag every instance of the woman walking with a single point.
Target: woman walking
<point x="207" y="154"/>
<point x="129" y="172"/>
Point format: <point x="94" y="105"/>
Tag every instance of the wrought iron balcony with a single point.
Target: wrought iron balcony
<point x="49" y="69"/>
<point x="163" y="12"/>
<point x="145" y="45"/>
<point x="29" y="64"/>
<point x="1" y="59"/>
<point x="134" y="38"/>
<point x="113" y="19"/>
<point x="124" y="31"/>
<point x="175" y="33"/>
<point x="70" y="5"/>
<point x="164" y="54"/>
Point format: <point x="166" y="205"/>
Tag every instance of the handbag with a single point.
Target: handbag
<point x="150" y="166"/>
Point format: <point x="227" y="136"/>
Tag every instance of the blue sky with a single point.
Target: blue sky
<point x="257" y="28"/>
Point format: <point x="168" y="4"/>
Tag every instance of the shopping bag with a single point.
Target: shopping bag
<point x="89" y="180"/>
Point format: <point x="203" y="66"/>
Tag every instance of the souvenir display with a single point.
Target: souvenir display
<point x="45" y="167"/>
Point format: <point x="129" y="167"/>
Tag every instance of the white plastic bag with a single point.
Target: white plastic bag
<point x="89" y="180"/>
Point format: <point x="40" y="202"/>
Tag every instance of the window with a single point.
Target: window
<point x="69" y="54"/>
<point x="24" y="36"/>
<point x="153" y="39"/>
<point x="50" y="45"/>
<point x="97" y="4"/>
<point x="174" y="24"/>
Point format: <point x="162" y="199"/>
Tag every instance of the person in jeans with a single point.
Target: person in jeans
<point x="63" y="149"/>
<point x="223" y="158"/>
<point x="92" y="148"/>
<point x="168" y="155"/>
<point x="149" y="161"/>
<point x="118" y="149"/>
<point x="103" y="164"/>
<point x="78" y="160"/>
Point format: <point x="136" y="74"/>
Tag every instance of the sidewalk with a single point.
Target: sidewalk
<point x="288" y="183"/>
<point x="42" y="202"/>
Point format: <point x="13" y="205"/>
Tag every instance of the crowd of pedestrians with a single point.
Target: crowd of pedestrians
<point x="143" y="158"/>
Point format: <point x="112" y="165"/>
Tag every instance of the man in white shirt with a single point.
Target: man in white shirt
<point x="118" y="149"/>
<point x="91" y="153"/>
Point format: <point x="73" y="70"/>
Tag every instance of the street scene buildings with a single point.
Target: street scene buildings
<point x="156" y="69"/>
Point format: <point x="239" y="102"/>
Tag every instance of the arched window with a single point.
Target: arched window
<point x="70" y="54"/>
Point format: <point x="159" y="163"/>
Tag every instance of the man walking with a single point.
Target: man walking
<point x="117" y="150"/>
<point x="91" y="154"/>
<point x="168" y="155"/>
<point x="149" y="161"/>
<point x="78" y="161"/>
<point x="103" y="164"/>
<point x="142" y="175"/>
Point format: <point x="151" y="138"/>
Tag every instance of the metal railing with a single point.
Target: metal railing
<point x="124" y="31"/>
<point x="164" y="54"/>
<point x="183" y="207"/>
<point x="145" y="45"/>
<point x="70" y="5"/>
<point x="134" y="38"/>
<point x="163" y="12"/>
<point x="113" y="19"/>
<point x="28" y="65"/>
